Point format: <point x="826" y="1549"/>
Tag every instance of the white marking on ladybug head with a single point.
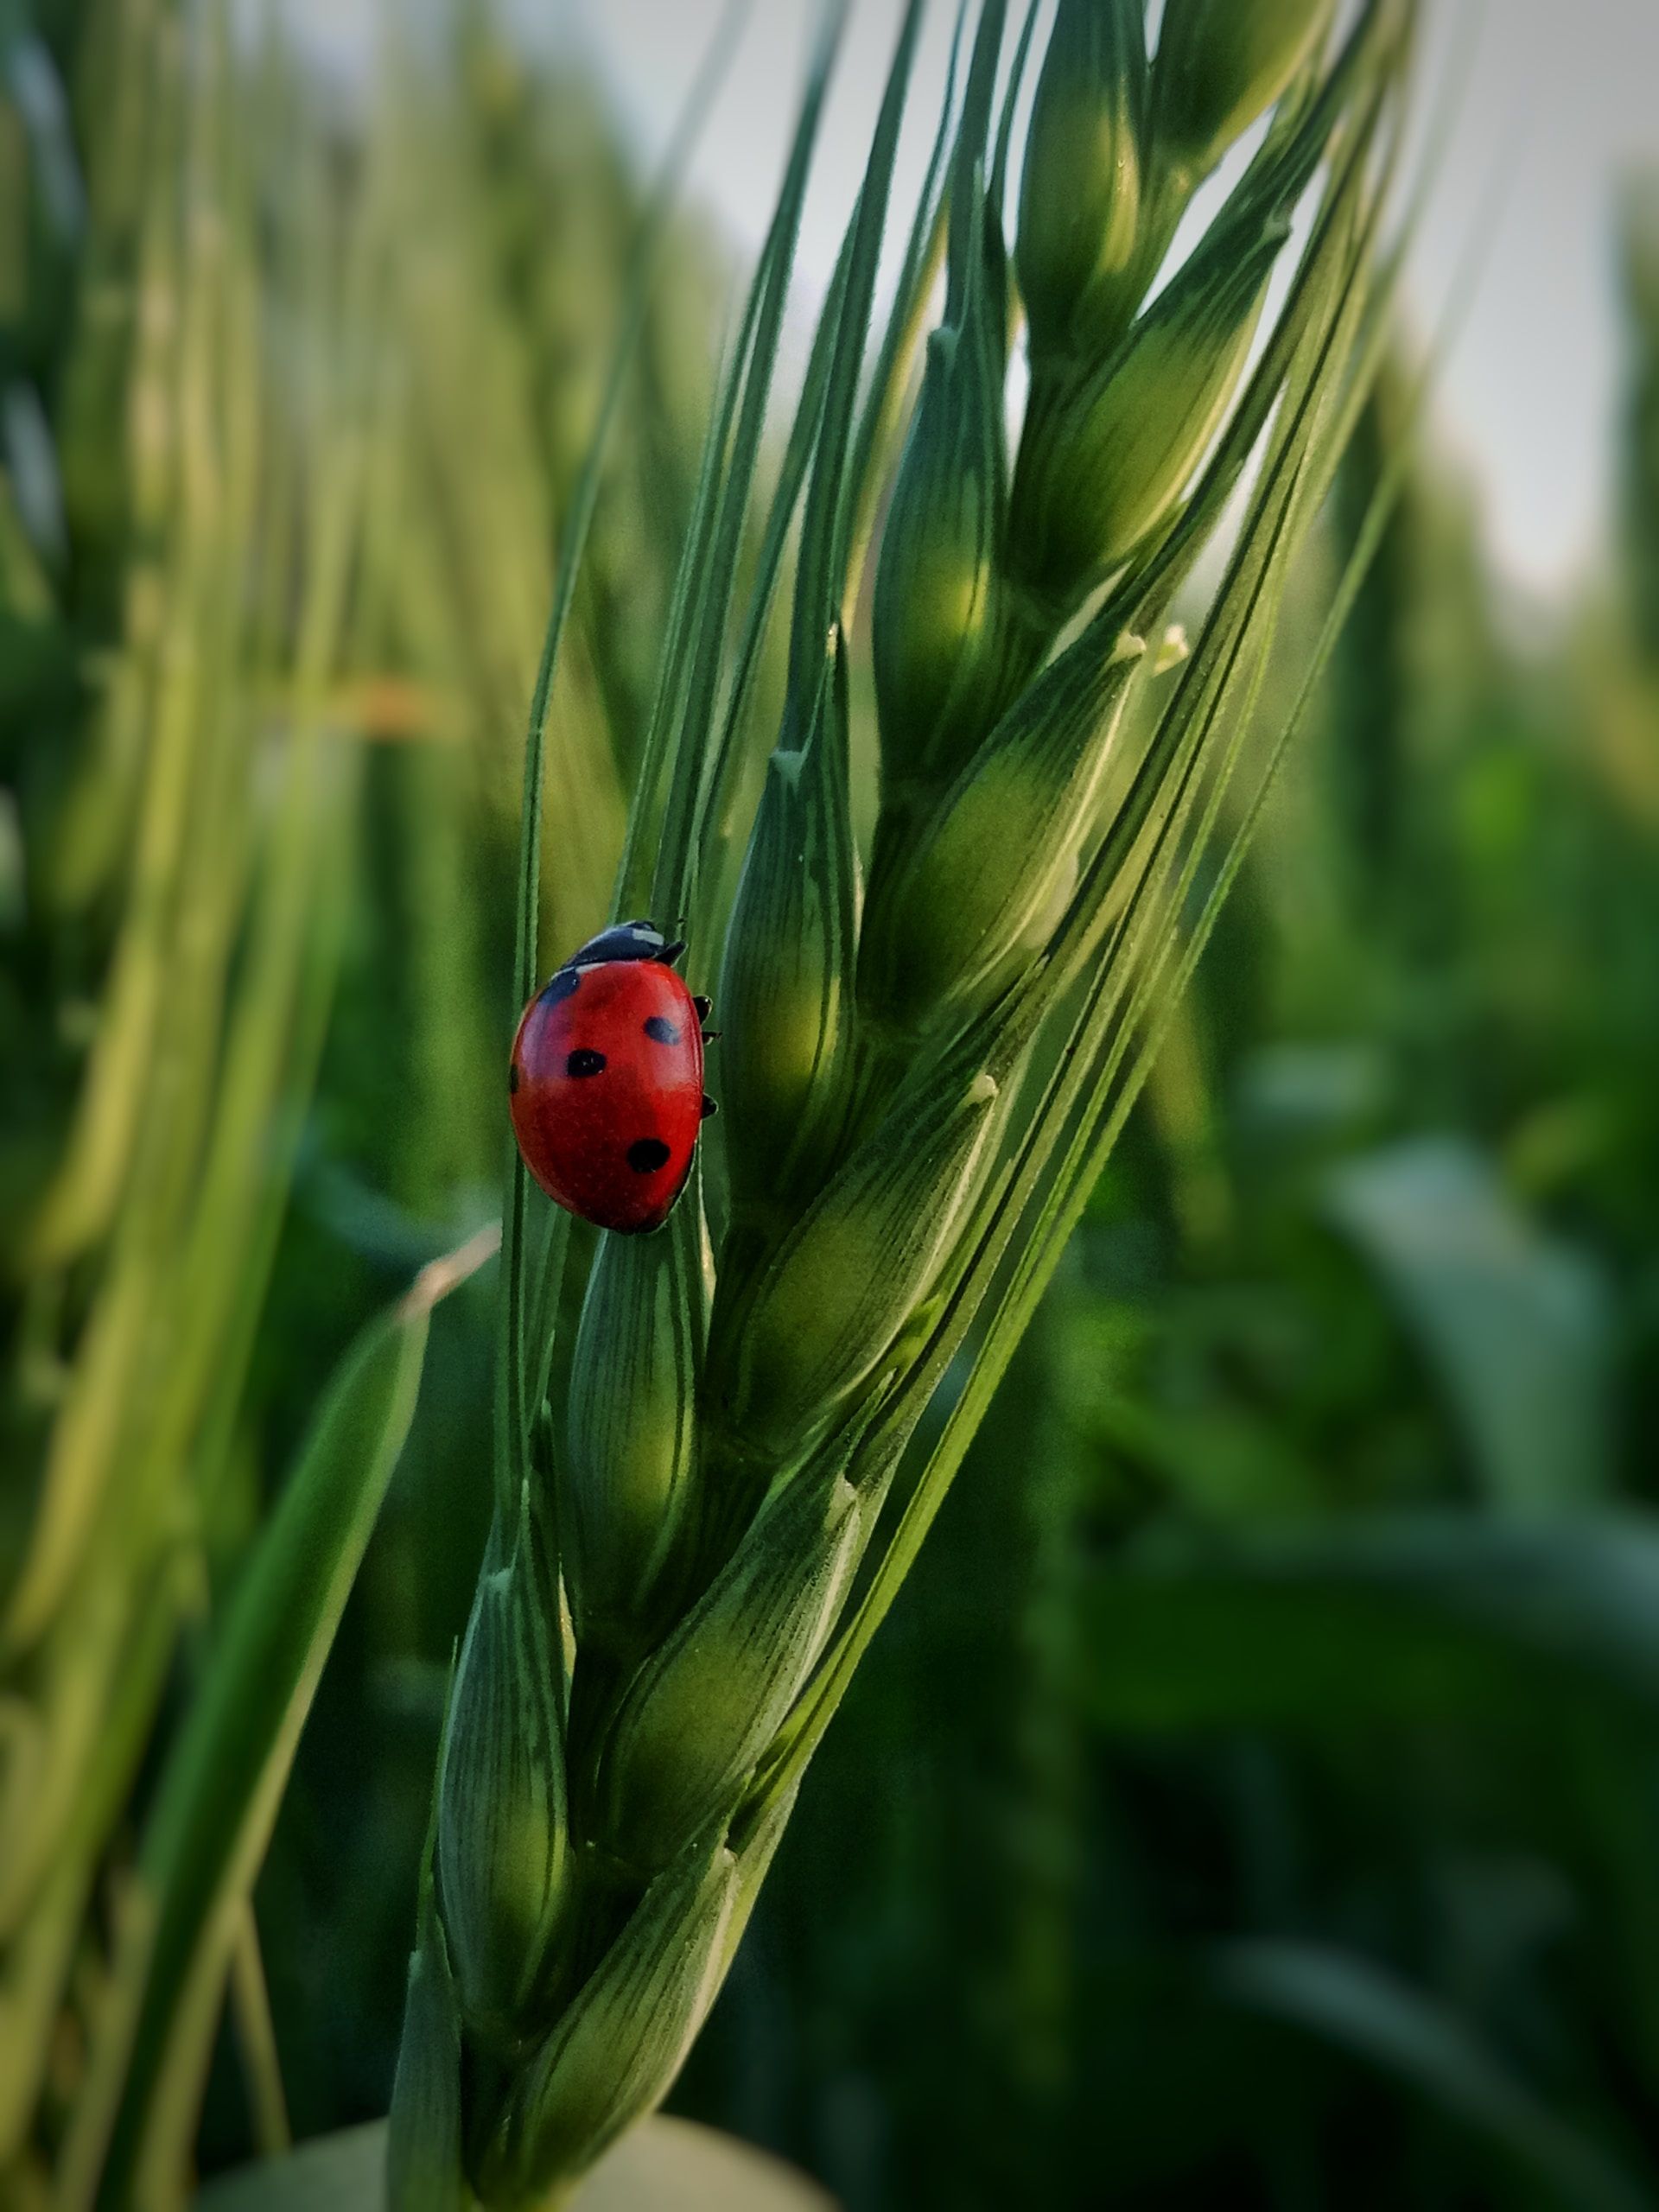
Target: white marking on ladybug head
<point x="622" y="941"/>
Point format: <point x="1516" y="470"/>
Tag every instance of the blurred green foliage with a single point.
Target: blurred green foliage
<point x="1254" y="1800"/>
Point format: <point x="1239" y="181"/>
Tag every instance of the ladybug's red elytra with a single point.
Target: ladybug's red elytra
<point x="606" y="1081"/>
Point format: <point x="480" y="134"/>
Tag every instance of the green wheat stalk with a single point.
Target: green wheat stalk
<point x="707" y="1503"/>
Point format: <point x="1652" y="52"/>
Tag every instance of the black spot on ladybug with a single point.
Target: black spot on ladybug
<point x="705" y="1007"/>
<point x="583" y="1062"/>
<point x="709" y="1106"/>
<point x="512" y="1076"/>
<point x="661" y="1030"/>
<point x="647" y="1155"/>
<point x="561" y="986"/>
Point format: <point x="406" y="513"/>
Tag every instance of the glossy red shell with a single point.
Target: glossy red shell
<point x="606" y="1090"/>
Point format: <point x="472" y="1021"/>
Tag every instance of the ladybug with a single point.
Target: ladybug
<point x="605" y="1080"/>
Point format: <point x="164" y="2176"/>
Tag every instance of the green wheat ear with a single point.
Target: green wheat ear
<point x="931" y="1045"/>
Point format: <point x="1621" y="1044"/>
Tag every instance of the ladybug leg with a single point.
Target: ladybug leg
<point x="704" y="1004"/>
<point x="709" y="1106"/>
<point x="709" y="1035"/>
<point x="670" y="955"/>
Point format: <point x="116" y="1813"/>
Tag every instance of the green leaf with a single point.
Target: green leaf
<point x="1516" y="1323"/>
<point x="1343" y="2000"/>
<point x="224" y="1780"/>
<point x="664" y="2165"/>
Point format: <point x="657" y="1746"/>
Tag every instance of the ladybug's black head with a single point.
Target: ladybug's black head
<point x="627" y="941"/>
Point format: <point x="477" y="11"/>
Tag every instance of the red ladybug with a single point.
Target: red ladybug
<point x="605" y="1080"/>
